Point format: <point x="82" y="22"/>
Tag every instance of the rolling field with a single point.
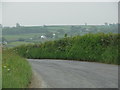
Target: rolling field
<point x="24" y="34"/>
<point x="17" y="43"/>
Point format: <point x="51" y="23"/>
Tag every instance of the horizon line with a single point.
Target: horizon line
<point x="56" y="24"/>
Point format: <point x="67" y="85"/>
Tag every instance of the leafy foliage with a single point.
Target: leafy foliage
<point x="98" y="47"/>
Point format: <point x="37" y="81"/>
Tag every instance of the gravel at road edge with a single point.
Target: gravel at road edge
<point x="36" y="81"/>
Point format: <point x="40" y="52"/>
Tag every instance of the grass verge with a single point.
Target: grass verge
<point x="16" y="71"/>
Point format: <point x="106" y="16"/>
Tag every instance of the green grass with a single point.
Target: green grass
<point x="66" y="28"/>
<point x="13" y="34"/>
<point x="16" y="71"/>
<point x="25" y="36"/>
<point x="17" y="43"/>
<point x="90" y="47"/>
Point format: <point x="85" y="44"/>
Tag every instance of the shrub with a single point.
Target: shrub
<point x="98" y="47"/>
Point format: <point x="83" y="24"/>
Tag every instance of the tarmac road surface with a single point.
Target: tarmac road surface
<point x="75" y="74"/>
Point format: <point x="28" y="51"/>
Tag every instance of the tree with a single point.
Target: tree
<point x="106" y="24"/>
<point x="85" y="24"/>
<point x="17" y="25"/>
<point x="65" y="35"/>
<point x="1" y="26"/>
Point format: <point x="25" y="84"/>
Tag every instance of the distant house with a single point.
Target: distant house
<point x="53" y="35"/>
<point x="31" y="38"/>
<point x="43" y="37"/>
<point x="4" y="42"/>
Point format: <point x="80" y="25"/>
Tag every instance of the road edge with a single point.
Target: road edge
<point x="36" y="81"/>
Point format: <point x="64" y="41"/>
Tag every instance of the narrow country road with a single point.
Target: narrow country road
<point x="75" y="74"/>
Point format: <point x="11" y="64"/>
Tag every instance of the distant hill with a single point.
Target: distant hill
<point x="32" y="34"/>
<point x="70" y="29"/>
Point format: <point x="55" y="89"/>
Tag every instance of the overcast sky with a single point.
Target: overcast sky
<point x="40" y="13"/>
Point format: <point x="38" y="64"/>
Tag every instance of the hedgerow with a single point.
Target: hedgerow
<point x="98" y="47"/>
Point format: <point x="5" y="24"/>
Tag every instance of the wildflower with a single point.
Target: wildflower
<point x="101" y="39"/>
<point x="8" y="69"/>
<point x="4" y="66"/>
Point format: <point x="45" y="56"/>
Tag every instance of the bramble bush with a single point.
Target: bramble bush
<point x="98" y="47"/>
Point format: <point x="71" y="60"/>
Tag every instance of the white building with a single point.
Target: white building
<point x="53" y="35"/>
<point x="43" y="37"/>
<point x="31" y="38"/>
<point x="5" y="42"/>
